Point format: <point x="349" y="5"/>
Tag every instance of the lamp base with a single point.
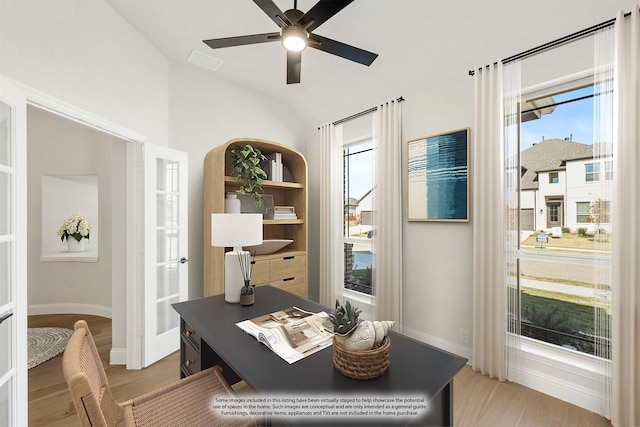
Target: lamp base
<point x="233" y="279"/>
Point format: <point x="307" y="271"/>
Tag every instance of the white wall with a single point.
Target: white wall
<point x="206" y="112"/>
<point x="85" y="54"/>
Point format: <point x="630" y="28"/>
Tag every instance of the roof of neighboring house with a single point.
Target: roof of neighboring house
<point x="549" y="155"/>
<point x="352" y="201"/>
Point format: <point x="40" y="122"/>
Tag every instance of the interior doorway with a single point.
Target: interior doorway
<point x="93" y="285"/>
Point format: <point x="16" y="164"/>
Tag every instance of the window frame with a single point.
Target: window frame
<point x="595" y="173"/>
<point x="363" y="300"/>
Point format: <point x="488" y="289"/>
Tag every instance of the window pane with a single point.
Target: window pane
<point x="5" y="143"/>
<point x="558" y="301"/>
<point x="582" y="209"/>
<point x="592" y="171"/>
<point x="5" y="196"/>
<point x="608" y="170"/>
<point x="358" y="221"/>
<point x="565" y="282"/>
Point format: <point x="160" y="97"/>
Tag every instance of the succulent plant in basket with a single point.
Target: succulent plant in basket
<point x="360" y="350"/>
<point x="356" y="335"/>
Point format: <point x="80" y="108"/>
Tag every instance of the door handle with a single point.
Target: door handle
<point x="5" y="317"/>
<point x="183" y="260"/>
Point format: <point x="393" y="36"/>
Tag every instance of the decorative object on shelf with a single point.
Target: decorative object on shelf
<point x="268" y="246"/>
<point x="246" y="165"/>
<point x="438" y="177"/>
<point x="75" y="229"/>
<point x="236" y="230"/>
<point x="232" y="203"/>
<point x="360" y="349"/>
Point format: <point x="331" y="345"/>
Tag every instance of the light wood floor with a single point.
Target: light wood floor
<point x="478" y="400"/>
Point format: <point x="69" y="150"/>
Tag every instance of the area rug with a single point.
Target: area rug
<point x="45" y="343"/>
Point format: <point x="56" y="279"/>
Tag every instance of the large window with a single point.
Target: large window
<point x="358" y="218"/>
<point x="565" y="284"/>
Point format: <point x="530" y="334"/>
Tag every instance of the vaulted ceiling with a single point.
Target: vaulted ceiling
<point x="420" y="43"/>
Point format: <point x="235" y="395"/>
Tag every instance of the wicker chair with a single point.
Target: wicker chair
<point x="186" y="402"/>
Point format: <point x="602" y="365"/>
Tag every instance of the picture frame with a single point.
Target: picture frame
<point x="438" y="177"/>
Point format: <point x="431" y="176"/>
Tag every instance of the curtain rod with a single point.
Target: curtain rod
<point x="360" y="114"/>
<point x="562" y="40"/>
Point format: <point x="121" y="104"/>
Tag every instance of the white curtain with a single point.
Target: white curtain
<point x="489" y="292"/>
<point x="603" y="81"/>
<point x="495" y="165"/>
<point x="331" y="212"/>
<point x="625" y="409"/>
<point x="388" y="212"/>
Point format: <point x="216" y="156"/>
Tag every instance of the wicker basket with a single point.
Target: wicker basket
<point x="361" y="364"/>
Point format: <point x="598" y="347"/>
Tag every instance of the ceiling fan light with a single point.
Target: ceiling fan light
<point x="294" y="38"/>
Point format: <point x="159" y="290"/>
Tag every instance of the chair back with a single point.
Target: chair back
<point x="87" y="380"/>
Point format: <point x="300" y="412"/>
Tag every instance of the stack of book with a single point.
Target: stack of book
<point x="280" y="212"/>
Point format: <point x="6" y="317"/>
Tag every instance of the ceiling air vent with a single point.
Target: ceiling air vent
<point x="203" y="60"/>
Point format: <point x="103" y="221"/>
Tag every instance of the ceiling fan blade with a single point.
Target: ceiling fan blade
<point x="242" y="40"/>
<point x="343" y="50"/>
<point x="294" y="65"/>
<point x="321" y="12"/>
<point x="273" y="12"/>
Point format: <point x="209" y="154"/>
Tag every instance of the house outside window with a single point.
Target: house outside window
<point x="592" y="172"/>
<point x="549" y="310"/>
<point x="358" y="226"/>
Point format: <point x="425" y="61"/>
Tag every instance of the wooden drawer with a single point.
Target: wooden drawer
<point x="295" y="285"/>
<point x="261" y="272"/>
<point x="288" y="267"/>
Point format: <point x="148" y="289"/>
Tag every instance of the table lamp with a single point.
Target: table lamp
<point x="236" y="230"/>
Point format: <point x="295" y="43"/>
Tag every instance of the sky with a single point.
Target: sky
<point x="573" y="120"/>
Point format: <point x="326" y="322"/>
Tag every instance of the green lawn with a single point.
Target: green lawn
<point x="571" y="241"/>
<point x="568" y="314"/>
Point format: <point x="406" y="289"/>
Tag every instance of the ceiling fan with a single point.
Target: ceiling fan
<point x="296" y="33"/>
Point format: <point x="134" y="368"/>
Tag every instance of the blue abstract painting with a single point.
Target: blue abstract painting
<point x="438" y="177"/>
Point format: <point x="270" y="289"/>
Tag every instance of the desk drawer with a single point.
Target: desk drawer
<point x="191" y="363"/>
<point x="190" y="335"/>
<point x="288" y="267"/>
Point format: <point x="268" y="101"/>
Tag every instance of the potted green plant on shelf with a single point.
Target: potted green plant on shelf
<point x="360" y="348"/>
<point x="246" y="165"/>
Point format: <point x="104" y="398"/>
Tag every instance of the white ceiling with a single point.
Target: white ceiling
<point x="419" y="42"/>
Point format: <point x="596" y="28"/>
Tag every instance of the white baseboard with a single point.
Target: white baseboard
<point x="90" y="309"/>
<point x="445" y="345"/>
<point x="118" y="356"/>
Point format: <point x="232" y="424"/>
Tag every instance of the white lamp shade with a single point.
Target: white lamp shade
<point x="236" y="230"/>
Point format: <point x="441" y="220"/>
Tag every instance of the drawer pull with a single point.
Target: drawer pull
<point x="188" y="333"/>
<point x="288" y="279"/>
<point x="289" y="257"/>
<point x="187" y="363"/>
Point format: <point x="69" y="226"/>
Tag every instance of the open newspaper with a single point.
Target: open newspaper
<point x="292" y="333"/>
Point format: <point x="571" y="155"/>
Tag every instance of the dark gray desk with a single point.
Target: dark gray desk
<point x="415" y="367"/>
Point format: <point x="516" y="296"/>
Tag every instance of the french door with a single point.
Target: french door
<point x="13" y="280"/>
<point x="166" y="240"/>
